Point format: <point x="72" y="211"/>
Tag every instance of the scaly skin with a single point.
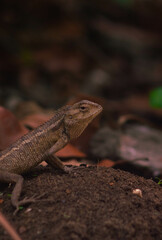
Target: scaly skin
<point x="39" y="145"/>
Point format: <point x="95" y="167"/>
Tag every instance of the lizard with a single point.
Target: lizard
<point x="41" y="143"/>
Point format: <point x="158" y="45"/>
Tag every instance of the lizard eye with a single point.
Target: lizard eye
<point x="83" y="108"/>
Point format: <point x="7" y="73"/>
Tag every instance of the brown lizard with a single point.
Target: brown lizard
<point x="39" y="145"/>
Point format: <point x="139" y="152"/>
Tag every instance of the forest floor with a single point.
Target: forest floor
<point x="88" y="203"/>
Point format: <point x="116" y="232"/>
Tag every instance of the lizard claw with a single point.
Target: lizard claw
<point x="27" y="200"/>
<point x="67" y="169"/>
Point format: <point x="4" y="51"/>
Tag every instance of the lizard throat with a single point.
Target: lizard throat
<point x="77" y="130"/>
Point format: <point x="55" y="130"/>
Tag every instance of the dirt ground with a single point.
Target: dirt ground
<point x="88" y="203"/>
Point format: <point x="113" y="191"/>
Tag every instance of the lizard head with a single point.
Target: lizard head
<point x="79" y="116"/>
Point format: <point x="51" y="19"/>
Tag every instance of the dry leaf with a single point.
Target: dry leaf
<point x="10" y="128"/>
<point x="106" y="163"/>
<point x="70" y="151"/>
<point x="36" y="120"/>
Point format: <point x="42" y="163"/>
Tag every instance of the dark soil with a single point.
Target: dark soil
<point x="89" y="203"/>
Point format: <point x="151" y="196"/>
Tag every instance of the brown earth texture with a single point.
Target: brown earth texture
<point x="88" y="203"/>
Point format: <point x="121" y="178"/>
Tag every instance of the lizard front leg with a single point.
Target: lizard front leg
<point x="18" y="179"/>
<point x="52" y="160"/>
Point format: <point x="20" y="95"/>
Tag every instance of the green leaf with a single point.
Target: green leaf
<point x="9" y="194"/>
<point x="21" y="207"/>
<point x="155" y="97"/>
<point x="159" y="180"/>
<point x="34" y="175"/>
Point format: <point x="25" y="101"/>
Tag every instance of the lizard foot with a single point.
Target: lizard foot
<point x="67" y="169"/>
<point x="27" y="200"/>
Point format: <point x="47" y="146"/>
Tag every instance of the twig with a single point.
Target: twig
<point x="7" y="226"/>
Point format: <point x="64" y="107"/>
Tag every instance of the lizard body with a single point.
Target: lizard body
<point x="39" y="145"/>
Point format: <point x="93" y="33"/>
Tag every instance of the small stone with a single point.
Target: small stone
<point x="22" y="229"/>
<point x="111" y="183"/>
<point x="28" y="210"/>
<point x="137" y="192"/>
<point x="68" y="191"/>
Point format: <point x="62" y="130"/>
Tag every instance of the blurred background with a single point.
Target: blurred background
<point x="54" y="52"/>
<point x="51" y="50"/>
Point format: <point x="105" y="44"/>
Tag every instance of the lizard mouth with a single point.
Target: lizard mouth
<point x="99" y="109"/>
